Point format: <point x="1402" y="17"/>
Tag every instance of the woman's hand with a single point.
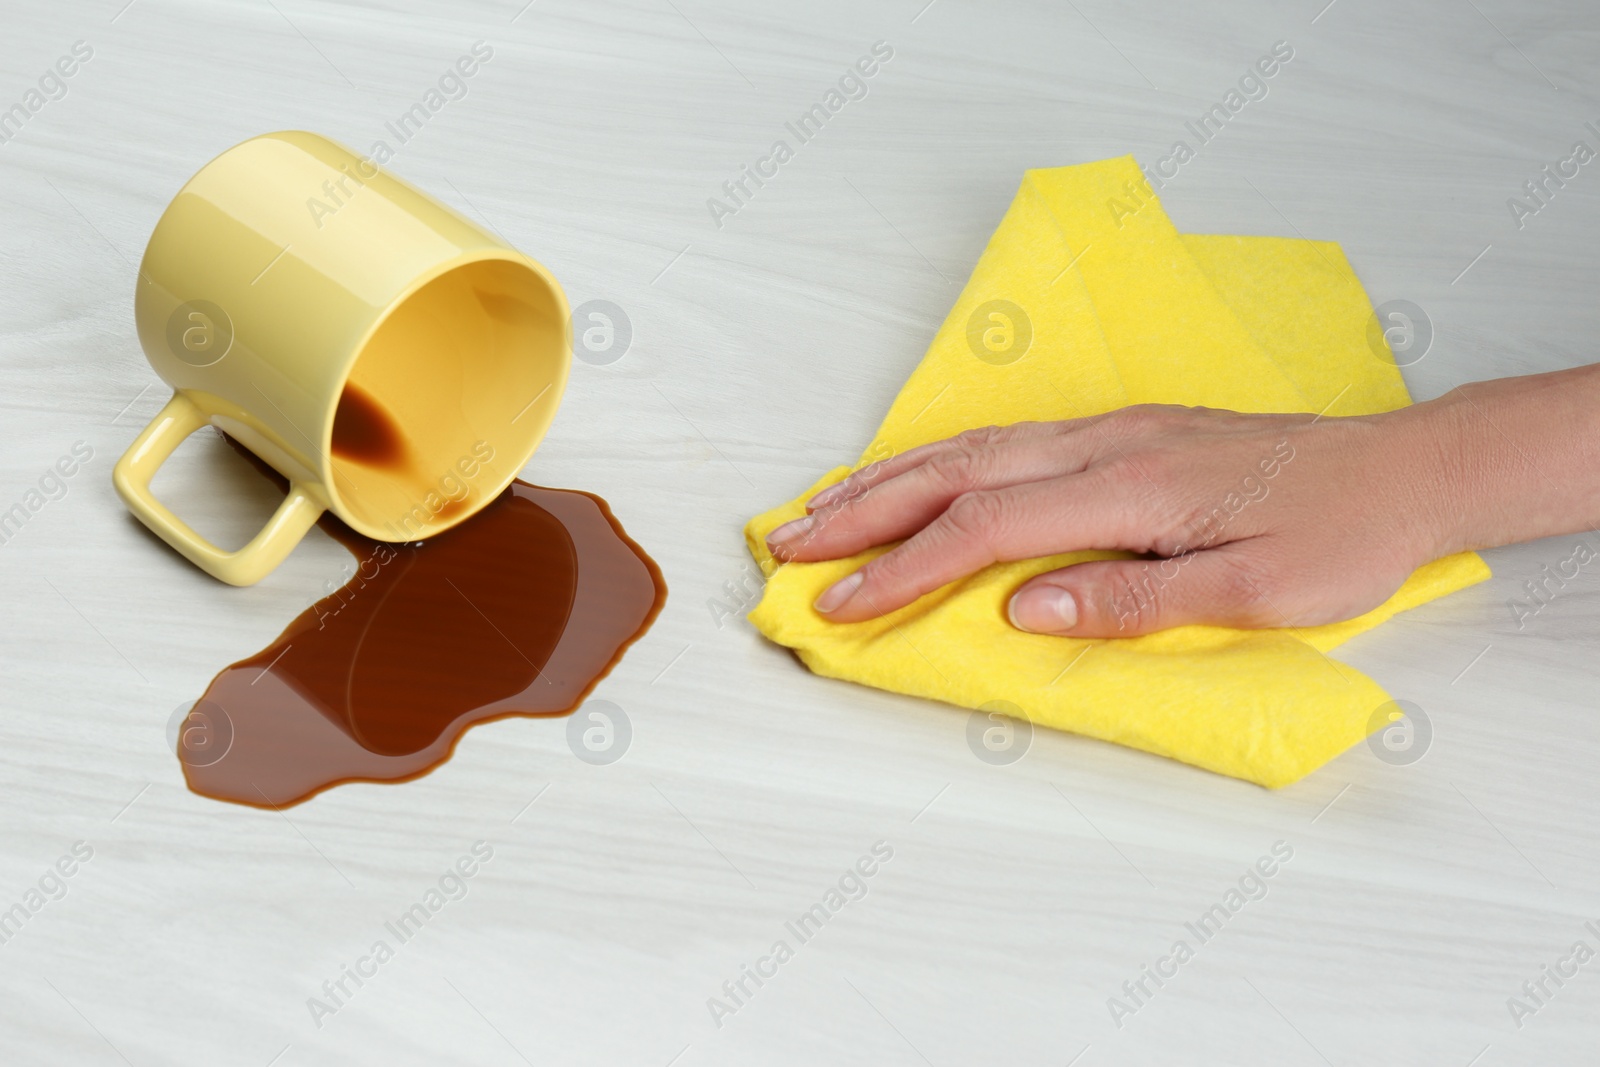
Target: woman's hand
<point x="1242" y="520"/>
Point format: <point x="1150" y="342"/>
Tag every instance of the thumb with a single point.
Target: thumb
<point x="1129" y="597"/>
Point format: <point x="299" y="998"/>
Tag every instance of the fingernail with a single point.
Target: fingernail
<point x="826" y="497"/>
<point x="1043" y="609"/>
<point x="790" y="530"/>
<point x="839" y="592"/>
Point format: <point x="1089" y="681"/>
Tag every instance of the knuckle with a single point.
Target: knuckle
<point x="1142" y="502"/>
<point x="1147" y="418"/>
<point x="1135" y="418"/>
<point x="893" y="570"/>
<point x="980" y="435"/>
<point x="976" y="515"/>
<point x="958" y="468"/>
<point x="1156" y="498"/>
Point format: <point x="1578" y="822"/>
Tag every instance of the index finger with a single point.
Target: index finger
<point x="858" y="482"/>
<point x="1071" y="514"/>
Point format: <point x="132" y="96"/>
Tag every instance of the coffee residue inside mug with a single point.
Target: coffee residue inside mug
<point x="521" y="610"/>
<point x="365" y="432"/>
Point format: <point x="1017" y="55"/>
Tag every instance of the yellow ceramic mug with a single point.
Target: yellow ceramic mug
<point x="393" y="361"/>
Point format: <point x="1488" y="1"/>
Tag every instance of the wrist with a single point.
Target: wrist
<point x="1432" y="453"/>
<point x="1496" y="462"/>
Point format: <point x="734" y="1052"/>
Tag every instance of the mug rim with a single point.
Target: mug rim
<point x="563" y="359"/>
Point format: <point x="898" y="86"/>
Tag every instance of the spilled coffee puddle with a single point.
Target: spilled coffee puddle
<point x="519" y="611"/>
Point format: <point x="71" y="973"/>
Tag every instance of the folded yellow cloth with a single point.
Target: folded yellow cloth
<point x="1122" y="310"/>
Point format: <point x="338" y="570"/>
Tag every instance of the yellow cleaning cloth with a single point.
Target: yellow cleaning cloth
<point x="1122" y="309"/>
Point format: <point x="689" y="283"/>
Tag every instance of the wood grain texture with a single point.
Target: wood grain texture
<point x="1019" y="898"/>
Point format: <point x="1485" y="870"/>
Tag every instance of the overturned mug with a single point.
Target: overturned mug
<point x="393" y="361"/>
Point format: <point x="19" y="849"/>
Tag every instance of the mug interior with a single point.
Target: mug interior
<point x="447" y="399"/>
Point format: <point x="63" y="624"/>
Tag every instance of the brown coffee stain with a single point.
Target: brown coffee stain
<point x="365" y="432"/>
<point x="519" y="611"/>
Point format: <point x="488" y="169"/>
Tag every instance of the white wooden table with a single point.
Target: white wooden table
<point x="1019" y="898"/>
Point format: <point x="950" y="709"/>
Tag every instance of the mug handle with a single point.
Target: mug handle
<point x="247" y="566"/>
